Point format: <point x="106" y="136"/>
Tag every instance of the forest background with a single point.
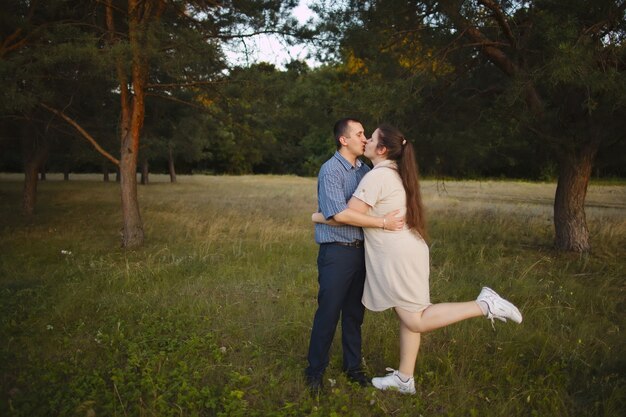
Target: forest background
<point x="530" y="89"/>
<point x="383" y="63"/>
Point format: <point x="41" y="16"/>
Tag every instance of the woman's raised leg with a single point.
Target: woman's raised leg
<point x="440" y="315"/>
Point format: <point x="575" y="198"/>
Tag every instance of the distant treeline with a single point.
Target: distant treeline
<point x="514" y="91"/>
<point x="267" y="120"/>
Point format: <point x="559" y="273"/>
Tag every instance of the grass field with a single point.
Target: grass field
<point x="212" y="316"/>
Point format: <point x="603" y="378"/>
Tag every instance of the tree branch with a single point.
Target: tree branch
<point x="83" y="132"/>
<point x="7" y="46"/>
<point x="178" y="100"/>
<point x="501" y="19"/>
<point x="496" y="55"/>
<point x="614" y="17"/>
<point x="160" y="86"/>
<point x="229" y="36"/>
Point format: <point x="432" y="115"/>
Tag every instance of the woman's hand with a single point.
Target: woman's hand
<point x="392" y="221"/>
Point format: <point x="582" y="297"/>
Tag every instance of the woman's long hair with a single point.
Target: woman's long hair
<point x="401" y="151"/>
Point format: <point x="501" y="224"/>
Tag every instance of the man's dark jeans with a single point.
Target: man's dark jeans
<point x="341" y="276"/>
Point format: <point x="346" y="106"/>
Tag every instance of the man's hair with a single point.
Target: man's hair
<point x="341" y="128"/>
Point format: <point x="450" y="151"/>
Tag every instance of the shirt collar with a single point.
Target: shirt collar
<point x="347" y="165"/>
<point x="386" y="163"/>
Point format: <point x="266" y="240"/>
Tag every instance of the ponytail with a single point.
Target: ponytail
<point x="401" y="151"/>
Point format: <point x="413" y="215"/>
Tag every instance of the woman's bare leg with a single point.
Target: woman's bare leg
<point x="409" y="348"/>
<point x="438" y="315"/>
<point x="435" y="316"/>
<point x="412" y="324"/>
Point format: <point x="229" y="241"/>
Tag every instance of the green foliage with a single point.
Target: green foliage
<point x="212" y="316"/>
<point x="385" y="61"/>
<point x="468" y="117"/>
<point x="56" y="54"/>
<point x="62" y="54"/>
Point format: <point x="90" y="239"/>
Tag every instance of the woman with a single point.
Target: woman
<point x="397" y="262"/>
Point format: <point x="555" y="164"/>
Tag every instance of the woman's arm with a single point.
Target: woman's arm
<point x="355" y="215"/>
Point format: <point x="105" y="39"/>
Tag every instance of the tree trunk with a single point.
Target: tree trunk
<point x="34" y="151"/>
<point x="132" y="234"/>
<point x="145" y="172"/>
<point x="66" y="173"/>
<point x="140" y="14"/>
<point x="570" y="223"/>
<point x="170" y="165"/>
<point x="105" y="172"/>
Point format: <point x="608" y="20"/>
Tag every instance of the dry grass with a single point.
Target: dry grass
<point x="212" y="316"/>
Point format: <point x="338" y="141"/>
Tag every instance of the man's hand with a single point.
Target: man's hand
<point x="318" y="217"/>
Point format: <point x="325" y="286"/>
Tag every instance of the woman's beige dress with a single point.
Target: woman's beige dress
<point x="397" y="262"/>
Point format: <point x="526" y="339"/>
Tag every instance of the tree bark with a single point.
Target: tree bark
<point x="35" y="151"/>
<point x="132" y="232"/>
<point x="133" y="111"/>
<point x="170" y="165"/>
<point x="570" y="222"/>
<point x="140" y="14"/>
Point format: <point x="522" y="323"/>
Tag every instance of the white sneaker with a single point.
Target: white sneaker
<point x="498" y="307"/>
<point x="392" y="381"/>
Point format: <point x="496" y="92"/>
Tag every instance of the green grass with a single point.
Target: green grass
<point x="212" y="316"/>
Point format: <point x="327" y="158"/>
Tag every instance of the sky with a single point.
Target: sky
<point x="270" y="48"/>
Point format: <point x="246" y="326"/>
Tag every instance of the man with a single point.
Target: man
<point x="341" y="258"/>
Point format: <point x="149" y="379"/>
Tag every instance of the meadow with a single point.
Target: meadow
<point x="212" y="316"/>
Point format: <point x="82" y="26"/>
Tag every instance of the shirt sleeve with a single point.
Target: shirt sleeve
<point x="370" y="188"/>
<point x="331" y="197"/>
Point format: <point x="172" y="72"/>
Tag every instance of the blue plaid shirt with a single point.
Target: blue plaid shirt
<point x="336" y="182"/>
